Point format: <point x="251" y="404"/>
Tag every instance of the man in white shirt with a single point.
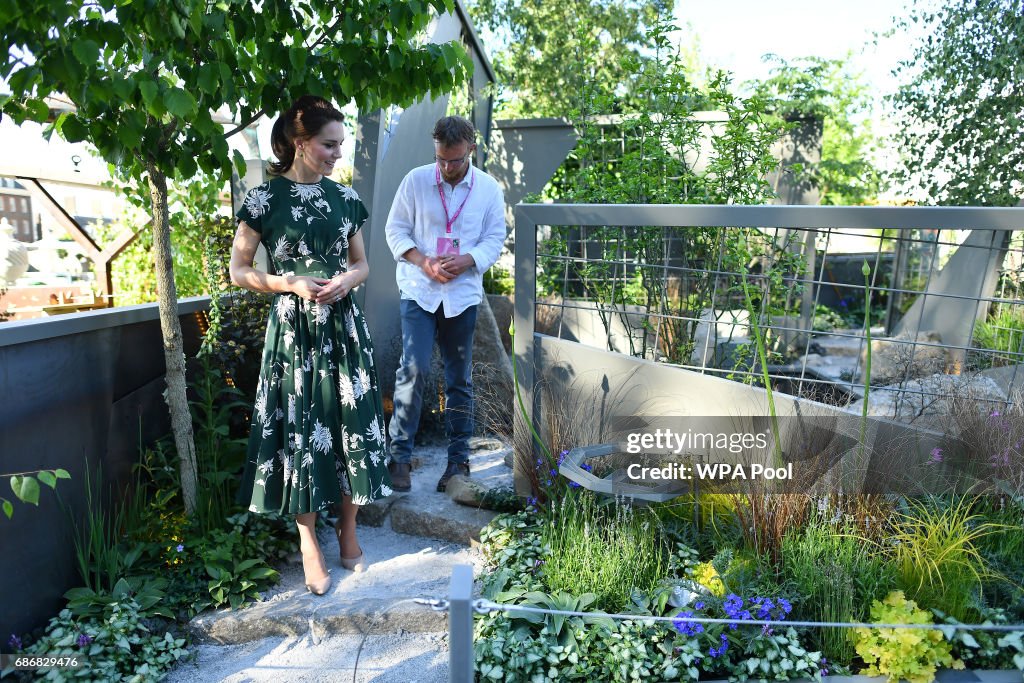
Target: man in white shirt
<point x="446" y="227"/>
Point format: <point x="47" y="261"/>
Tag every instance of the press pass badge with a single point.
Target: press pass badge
<point x="447" y="246"/>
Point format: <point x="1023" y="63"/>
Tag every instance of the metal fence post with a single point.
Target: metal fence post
<point x="460" y="625"/>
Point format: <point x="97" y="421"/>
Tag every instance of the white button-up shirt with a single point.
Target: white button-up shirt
<point x="417" y="219"/>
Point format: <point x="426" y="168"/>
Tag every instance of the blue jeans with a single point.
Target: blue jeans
<point x="455" y="340"/>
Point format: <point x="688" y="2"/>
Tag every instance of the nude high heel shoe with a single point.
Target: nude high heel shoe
<point x="353" y="564"/>
<point x="319" y="586"/>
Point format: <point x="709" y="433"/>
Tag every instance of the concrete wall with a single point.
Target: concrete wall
<point x="74" y="389"/>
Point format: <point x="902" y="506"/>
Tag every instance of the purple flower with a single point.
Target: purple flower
<point x="824" y="667"/>
<point x="586" y="467"/>
<point x="842" y="303"/>
<point x="786" y="607"/>
<point x="561" y="456"/>
<point x="180" y="547"/>
<point x="83" y="639"/>
<point x="687" y="628"/>
<point x="715" y="652"/>
<point x="14" y="642"/>
<point x="699" y="604"/>
<point x="767" y="630"/>
<point x="936" y="455"/>
<point x="573" y="485"/>
<point x="732" y="604"/>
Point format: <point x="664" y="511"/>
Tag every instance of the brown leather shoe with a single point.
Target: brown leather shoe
<point x="400" y="478"/>
<point x="452" y="469"/>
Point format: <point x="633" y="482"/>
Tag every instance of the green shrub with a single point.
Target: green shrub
<point x="1000" y="339"/>
<point x="827" y="320"/>
<point x="606" y="549"/>
<point x="910" y="654"/>
<point x="1002" y="551"/>
<point x="498" y="280"/>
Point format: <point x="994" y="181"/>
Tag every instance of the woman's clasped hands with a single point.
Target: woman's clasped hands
<point x="322" y="290"/>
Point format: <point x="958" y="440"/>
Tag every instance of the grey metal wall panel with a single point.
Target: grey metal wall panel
<point x="695" y="215"/>
<point x="525" y="153"/>
<point x="409" y="147"/>
<point x="74" y="390"/>
<point x="950" y="305"/>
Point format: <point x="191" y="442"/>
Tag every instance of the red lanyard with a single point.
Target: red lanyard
<point x="449" y="222"/>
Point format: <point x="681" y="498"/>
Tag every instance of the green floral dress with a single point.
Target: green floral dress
<point x="317" y="426"/>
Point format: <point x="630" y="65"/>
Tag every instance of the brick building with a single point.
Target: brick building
<point x="16" y="207"/>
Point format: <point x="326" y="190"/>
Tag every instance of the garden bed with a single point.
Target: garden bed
<point x="746" y="559"/>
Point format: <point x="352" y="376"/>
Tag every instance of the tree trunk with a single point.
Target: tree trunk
<point x="174" y="351"/>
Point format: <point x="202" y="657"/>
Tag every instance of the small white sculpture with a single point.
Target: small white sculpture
<point x="13" y="254"/>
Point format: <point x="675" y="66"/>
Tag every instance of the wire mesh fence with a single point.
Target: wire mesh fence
<point x="943" y="308"/>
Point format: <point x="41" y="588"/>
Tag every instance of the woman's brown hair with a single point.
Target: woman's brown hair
<point x="301" y="121"/>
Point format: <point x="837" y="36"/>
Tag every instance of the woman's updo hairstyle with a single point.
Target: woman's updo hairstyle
<point x="301" y="121"/>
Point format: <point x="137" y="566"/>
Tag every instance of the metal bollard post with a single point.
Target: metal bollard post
<point x="460" y="625"/>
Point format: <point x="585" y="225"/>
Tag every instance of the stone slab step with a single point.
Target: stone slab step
<point x="436" y="516"/>
<point x="312" y="614"/>
<point x="379" y="601"/>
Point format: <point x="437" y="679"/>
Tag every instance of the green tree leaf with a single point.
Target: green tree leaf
<point x="239" y="161"/>
<point x="86" y="51"/>
<point x="48" y="478"/>
<point x="180" y="103"/>
<point x="26" y="488"/>
<point x="209" y="78"/>
<point x="37" y="110"/>
<point x="149" y="90"/>
<point x="960" y="102"/>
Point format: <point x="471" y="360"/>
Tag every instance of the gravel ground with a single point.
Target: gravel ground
<point x="416" y="657"/>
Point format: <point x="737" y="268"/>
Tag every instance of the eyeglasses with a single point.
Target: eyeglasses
<point x="450" y="163"/>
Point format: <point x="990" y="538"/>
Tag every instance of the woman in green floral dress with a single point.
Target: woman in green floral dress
<point x="317" y="435"/>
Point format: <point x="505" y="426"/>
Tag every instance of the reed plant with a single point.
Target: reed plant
<point x="96" y="534"/>
<point x="608" y="549"/>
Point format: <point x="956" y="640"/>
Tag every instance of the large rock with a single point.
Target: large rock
<point x="465" y="491"/>
<point x="905" y="357"/>
<point x="928" y="402"/>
